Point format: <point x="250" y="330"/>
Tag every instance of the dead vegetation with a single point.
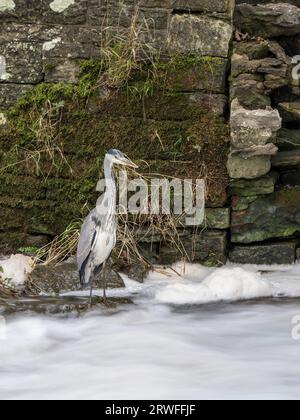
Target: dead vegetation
<point x="130" y="70"/>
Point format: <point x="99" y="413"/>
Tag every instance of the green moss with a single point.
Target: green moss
<point x="28" y="250"/>
<point x="11" y="241"/>
<point x="179" y="73"/>
<point x="155" y="124"/>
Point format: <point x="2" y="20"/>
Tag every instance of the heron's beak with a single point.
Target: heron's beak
<point x="129" y="163"/>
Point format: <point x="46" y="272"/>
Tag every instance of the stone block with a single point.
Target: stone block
<point x="199" y="35"/>
<point x="61" y="71"/>
<point x="208" y="248"/>
<point x="290" y="111"/>
<point x="269" y="217"/>
<point x="218" y="218"/>
<point x="286" y="159"/>
<point x="288" y="139"/>
<point x="214" y="6"/>
<point x="273" y="253"/>
<point x="239" y="203"/>
<point x="268" y="20"/>
<point x="22" y="62"/>
<point x="255" y="187"/>
<point x="214" y="103"/>
<point x="251" y="128"/>
<point x="45" y="11"/>
<point x="251" y="168"/>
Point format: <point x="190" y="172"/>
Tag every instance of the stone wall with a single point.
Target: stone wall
<point x="265" y="126"/>
<point x="45" y="42"/>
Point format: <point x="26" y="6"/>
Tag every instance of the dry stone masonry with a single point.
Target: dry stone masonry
<point x="256" y="41"/>
<point x="263" y="162"/>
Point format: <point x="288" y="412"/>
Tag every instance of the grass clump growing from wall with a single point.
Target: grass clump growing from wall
<point x="133" y="99"/>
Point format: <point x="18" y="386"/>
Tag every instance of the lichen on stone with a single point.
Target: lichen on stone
<point x="7" y="5"/>
<point x="60" y="6"/>
<point x="50" y="45"/>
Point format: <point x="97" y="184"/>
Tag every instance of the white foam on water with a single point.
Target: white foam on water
<point x="16" y="268"/>
<point x="154" y="350"/>
<point x="194" y="284"/>
<point x="224" y="284"/>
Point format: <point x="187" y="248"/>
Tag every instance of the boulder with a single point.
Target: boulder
<point x="201" y="35"/>
<point x="268" y="20"/>
<point x="273" y="253"/>
<point x="269" y="217"/>
<point x="63" y="277"/>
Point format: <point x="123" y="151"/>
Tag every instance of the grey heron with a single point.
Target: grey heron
<point x="99" y="231"/>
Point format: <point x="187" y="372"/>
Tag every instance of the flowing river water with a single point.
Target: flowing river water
<point x="225" y="333"/>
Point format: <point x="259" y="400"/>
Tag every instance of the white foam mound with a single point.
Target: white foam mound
<point x="16" y="269"/>
<point x="224" y="284"/>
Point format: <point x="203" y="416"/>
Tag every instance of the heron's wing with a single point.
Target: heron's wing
<point x="87" y="237"/>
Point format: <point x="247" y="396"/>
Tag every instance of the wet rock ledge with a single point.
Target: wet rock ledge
<point x="60" y="305"/>
<point x="43" y="288"/>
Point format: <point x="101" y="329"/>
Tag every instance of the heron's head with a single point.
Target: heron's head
<point x="118" y="158"/>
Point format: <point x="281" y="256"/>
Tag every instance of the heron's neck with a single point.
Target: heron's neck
<point x="111" y="190"/>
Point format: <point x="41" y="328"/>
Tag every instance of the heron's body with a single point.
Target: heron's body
<point x="99" y="231"/>
<point x="99" y="250"/>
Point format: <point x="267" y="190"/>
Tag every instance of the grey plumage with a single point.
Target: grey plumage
<point x="99" y="231"/>
<point x="86" y="243"/>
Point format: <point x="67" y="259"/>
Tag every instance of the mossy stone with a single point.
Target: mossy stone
<point x="255" y="187"/>
<point x="269" y="217"/>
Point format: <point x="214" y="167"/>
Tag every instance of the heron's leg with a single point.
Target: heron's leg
<point x="104" y="281"/>
<point x="91" y="294"/>
<point x="91" y="290"/>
